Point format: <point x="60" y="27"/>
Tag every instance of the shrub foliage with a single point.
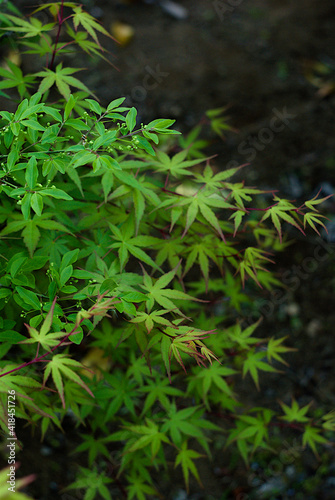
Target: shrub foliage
<point x="125" y="252"/>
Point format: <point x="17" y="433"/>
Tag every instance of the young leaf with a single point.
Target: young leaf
<point x="185" y="459"/>
<point x="61" y="366"/>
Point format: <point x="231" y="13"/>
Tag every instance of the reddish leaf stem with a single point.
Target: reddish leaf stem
<point x="60" y="22"/>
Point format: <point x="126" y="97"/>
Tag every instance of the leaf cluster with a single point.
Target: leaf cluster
<point x="124" y="265"/>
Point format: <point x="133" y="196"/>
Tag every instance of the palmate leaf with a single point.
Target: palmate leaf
<point x="127" y="244"/>
<point x="94" y="482"/>
<point x="61" y="366"/>
<point x="19" y="383"/>
<point x="202" y="252"/>
<point x="294" y="413"/>
<point x="31" y="28"/>
<point x="88" y="22"/>
<point x="219" y="122"/>
<point x="63" y="80"/>
<point x="156" y="292"/>
<point x="312" y="218"/>
<point x="187" y="341"/>
<point x="275" y="348"/>
<point x="80" y="38"/>
<point x="215" y="375"/>
<point x="252" y="429"/>
<point x="238" y="216"/>
<point x="329" y="421"/>
<point x="316" y="201"/>
<point x="139" y="489"/>
<point x="31" y="233"/>
<point x="176" y="166"/>
<point x="158" y="390"/>
<point x="216" y="181"/>
<point x="151" y="318"/>
<point x="43" y="337"/>
<point x="254" y="363"/>
<point x="193" y="144"/>
<point x="240" y="193"/>
<point x="202" y="201"/>
<point x="185" y="459"/>
<point x="312" y="437"/>
<point x="94" y="447"/>
<point x="280" y="211"/>
<point x="150" y="435"/>
<point x="15" y="78"/>
<point x="244" y="338"/>
<point x="186" y="422"/>
<point x="252" y="262"/>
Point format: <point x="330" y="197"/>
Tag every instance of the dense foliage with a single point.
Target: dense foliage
<point x="124" y="249"/>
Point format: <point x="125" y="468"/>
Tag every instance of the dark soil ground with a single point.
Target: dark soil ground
<point x="258" y="57"/>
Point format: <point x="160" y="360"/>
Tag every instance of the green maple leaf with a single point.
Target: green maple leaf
<point x="151" y="318"/>
<point x="185" y="340"/>
<point x="312" y="218"/>
<point x="159" y="390"/>
<point x="256" y="428"/>
<point x="170" y="250"/>
<point x="138" y="488"/>
<point x="150" y="435"/>
<point x="253" y="259"/>
<point x="185" y="459"/>
<point x="329" y="421"/>
<point x="201" y="252"/>
<point x="216" y="181"/>
<point x="281" y="211"/>
<point x="255" y="363"/>
<point x="233" y="291"/>
<point x="91" y="48"/>
<point x="187" y="421"/>
<point x="240" y="193"/>
<point x="31" y="28"/>
<point x="31" y="233"/>
<point x="46" y="339"/>
<point x="251" y="428"/>
<point x="127" y="244"/>
<point x="121" y="393"/>
<point x="215" y="375"/>
<point x="156" y="292"/>
<point x="176" y="166"/>
<point x="94" y="483"/>
<point x="192" y="144"/>
<point x="63" y="80"/>
<point x="18" y="383"/>
<point x="316" y="201"/>
<point x="88" y="22"/>
<point x="61" y="365"/>
<point x="13" y="77"/>
<point x="275" y="347"/>
<point x="94" y="447"/>
<point x="244" y="338"/>
<point x="295" y="413"/>
<point x="311" y="437"/>
<point x="201" y="201"/>
<point x="217" y="121"/>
